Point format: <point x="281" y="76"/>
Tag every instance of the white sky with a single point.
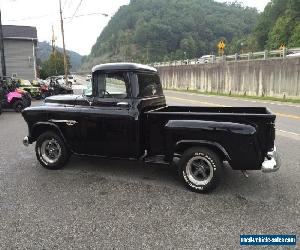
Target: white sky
<point x="81" y="32"/>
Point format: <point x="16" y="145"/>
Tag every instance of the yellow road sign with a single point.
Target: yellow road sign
<point x="282" y="46"/>
<point x="221" y="45"/>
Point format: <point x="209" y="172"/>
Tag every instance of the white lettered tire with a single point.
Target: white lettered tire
<point x="51" y="151"/>
<point x="199" y="168"/>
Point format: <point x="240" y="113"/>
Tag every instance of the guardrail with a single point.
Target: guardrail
<point x="262" y="55"/>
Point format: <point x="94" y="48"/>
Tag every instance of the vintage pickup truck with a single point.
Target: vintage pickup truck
<point x="123" y="114"/>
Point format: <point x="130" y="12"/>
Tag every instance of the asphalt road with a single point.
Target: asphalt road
<point x="101" y="204"/>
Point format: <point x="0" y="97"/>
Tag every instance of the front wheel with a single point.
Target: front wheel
<point x="199" y="168"/>
<point x="51" y="151"/>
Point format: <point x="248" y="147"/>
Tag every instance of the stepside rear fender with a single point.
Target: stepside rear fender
<point x="183" y="134"/>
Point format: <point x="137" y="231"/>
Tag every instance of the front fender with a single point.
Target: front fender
<point x="41" y="127"/>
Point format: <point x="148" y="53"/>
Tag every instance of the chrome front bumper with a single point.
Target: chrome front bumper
<point x="26" y="141"/>
<point x="272" y="162"/>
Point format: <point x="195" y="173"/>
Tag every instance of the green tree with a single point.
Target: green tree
<point x="188" y="45"/>
<point x="279" y="23"/>
<point x="54" y="65"/>
<point x="280" y="33"/>
<point x="294" y="40"/>
<point x="273" y="10"/>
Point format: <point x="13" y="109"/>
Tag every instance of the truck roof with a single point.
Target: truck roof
<point x="123" y="66"/>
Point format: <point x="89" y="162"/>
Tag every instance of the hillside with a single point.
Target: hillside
<point x="153" y="30"/>
<point x="279" y="24"/>
<point x="45" y="50"/>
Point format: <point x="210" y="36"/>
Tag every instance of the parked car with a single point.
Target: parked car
<point x="293" y="54"/>
<point x="62" y="80"/>
<point x="123" y="114"/>
<point x="205" y="59"/>
<point x="56" y="87"/>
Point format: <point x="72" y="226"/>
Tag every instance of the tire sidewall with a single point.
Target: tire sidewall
<point x="64" y="157"/>
<point x="211" y="157"/>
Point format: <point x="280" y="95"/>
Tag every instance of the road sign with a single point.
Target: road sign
<point x="282" y="46"/>
<point x="221" y="45"/>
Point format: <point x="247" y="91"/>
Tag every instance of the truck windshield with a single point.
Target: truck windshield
<point x="112" y="85"/>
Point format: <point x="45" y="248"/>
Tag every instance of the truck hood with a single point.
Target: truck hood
<point x="62" y="99"/>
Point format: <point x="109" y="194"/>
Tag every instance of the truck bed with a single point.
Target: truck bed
<point x="213" y="124"/>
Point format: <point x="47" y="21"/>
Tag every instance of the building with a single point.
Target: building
<point x="20" y="45"/>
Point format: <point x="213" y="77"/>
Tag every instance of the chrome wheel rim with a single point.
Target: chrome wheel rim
<point x="50" y="151"/>
<point x="199" y="170"/>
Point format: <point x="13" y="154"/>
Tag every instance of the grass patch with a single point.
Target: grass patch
<point x="266" y="98"/>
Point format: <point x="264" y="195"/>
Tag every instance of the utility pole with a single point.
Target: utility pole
<point x="64" y="47"/>
<point x="53" y="41"/>
<point x="53" y="48"/>
<point x="2" y="49"/>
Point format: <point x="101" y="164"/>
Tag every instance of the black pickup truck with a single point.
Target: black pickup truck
<point x="123" y="114"/>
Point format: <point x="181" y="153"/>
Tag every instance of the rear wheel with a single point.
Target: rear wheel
<point x="18" y="105"/>
<point x="51" y="151"/>
<point x="199" y="168"/>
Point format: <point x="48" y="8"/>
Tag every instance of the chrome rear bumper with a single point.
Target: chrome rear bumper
<point x="272" y="162"/>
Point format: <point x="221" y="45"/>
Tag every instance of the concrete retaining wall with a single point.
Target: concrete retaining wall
<point x="275" y="77"/>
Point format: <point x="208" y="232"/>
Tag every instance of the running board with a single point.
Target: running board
<point x="156" y="159"/>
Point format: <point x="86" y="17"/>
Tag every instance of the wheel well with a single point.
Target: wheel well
<point x="40" y="129"/>
<point x="181" y="148"/>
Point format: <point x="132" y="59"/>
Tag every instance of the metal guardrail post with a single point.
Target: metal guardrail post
<point x="265" y="55"/>
<point x="284" y="52"/>
<point x="213" y="59"/>
<point x="249" y="56"/>
<point x="236" y="57"/>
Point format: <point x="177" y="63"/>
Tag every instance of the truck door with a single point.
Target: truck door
<point x="109" y="128"/>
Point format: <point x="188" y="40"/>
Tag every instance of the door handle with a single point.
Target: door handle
<point x="123" y="104"/>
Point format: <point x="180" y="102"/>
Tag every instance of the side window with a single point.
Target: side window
<point x="149" y="85"/>
<point x="112" y="85"/>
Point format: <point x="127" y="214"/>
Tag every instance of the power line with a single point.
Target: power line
<point x="88" y="14"/>
<point x="77" y="9"/>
